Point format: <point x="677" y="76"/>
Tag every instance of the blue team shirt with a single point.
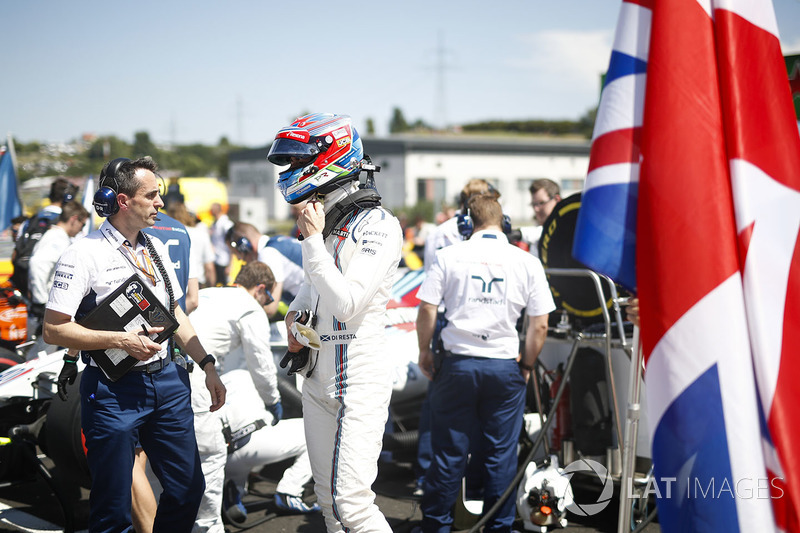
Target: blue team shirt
<point x="175" y="237"/>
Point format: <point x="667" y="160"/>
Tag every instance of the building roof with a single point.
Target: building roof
<point x="455" y="143"/>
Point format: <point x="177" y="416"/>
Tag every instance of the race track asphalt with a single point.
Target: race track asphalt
<point x="31" y="506"/>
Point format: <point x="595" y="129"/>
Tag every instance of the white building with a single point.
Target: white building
<point x="433" y="168"/>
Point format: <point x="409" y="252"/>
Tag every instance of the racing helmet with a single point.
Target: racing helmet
<point x="329" y="149"/>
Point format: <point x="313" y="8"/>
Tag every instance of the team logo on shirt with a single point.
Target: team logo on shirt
<point x="337" y="337"/>
<point x="486" y="290"/>
<point x="134" y="293"/>
<point x="487" y="287"/>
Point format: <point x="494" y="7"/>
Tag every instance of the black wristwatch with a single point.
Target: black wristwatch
<point x="207" y="359"/>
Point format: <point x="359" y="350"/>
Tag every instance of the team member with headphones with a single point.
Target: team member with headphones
<point x="451" y="231"/>
<point x="61" y="193"/>
<point x="485" y="283"/>
<point x="87" y="273"/>
<point x="283" y="255"/>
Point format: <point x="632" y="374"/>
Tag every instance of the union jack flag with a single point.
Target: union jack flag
<point x="707" y="167"/>
<point x="605" y="232"/>
<point x="10" y="205"/>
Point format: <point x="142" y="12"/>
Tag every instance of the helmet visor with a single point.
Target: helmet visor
<point x="283" y="150"/>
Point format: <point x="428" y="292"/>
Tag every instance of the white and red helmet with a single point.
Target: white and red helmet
<point x="329" y="148"/>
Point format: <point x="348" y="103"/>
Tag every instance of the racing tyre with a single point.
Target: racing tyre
<point x="575" y="295"/>
<point x="291" y="398"/>
<point x="8" y="359"/>
<point x="63" y="436"/>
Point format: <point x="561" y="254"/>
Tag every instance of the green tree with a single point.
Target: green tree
<point x="420" y="126"/>
<point x="143" y="146"/>
<point x="193" y="165"/>
<point x="398" y="122"/>
<point x="106" y="148"/>
<point x="370" y="126"/>
<point x="586" y="122"/>
<point x="224" y="148"/>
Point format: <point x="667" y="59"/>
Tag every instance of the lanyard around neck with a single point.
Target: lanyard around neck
<point x="147" y="269"/>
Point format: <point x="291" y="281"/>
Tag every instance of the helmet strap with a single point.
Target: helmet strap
<point x="360" y="199"/>
<point x="366" y="178"/>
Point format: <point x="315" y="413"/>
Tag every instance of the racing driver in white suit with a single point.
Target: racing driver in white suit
<point x="351" y="249"/>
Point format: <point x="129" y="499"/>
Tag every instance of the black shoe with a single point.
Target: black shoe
<point x="288" y="504"/>
<point x="232" y="506"/>
<point x="419" y="492"/>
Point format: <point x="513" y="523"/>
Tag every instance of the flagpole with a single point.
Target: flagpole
<point x="631" y="435"/>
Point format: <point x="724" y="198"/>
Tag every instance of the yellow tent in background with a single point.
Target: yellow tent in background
<point x="200" y="193"/>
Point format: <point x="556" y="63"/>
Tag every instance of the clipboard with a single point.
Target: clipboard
<point x="129" y="307"/>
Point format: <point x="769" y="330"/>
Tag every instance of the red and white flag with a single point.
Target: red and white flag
<point x="763" y="149"/>
<point x="718" y="268"/>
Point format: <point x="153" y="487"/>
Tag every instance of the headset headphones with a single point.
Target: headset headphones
<point x="69" y="194"/>
<point x="240" y="244"/>
<point x="466" y="226"/>
<point x="105" y="199"/>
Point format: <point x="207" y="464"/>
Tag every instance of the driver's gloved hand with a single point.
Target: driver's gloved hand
<point x="276" y="410"/>
<point x="298" y="360"/>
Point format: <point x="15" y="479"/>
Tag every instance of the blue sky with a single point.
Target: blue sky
<point x="193" y="71"/>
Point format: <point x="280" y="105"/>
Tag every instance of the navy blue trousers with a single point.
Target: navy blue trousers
<point x="474" y="473"/>
<point x="474" y="395"/>
<point x="155" y="409"/>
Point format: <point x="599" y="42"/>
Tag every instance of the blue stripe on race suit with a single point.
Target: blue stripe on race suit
<point x="341" y="389"/>
<point x="340" y="379"/>
<point x="339" y="245"/>
<point x="341" y="372"/>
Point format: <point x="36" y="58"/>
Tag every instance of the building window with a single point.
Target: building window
<point x="519" y="205"/>
<point x="432" y="190"/>
<point x="570" y="186"/>
<point x="524" y="184"/>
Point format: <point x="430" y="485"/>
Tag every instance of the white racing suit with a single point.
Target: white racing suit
<point x="267" y="445"/>
<point x="346" y="399"/>
<point x="233" y="327"/>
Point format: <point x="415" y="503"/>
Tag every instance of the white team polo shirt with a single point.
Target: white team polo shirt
<point x="43" y="262"/>
<point x="93" y="267"/>
<point x="485" y="284"/>
<point x="442" y="236"/>
<point x="233" y="326"/>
